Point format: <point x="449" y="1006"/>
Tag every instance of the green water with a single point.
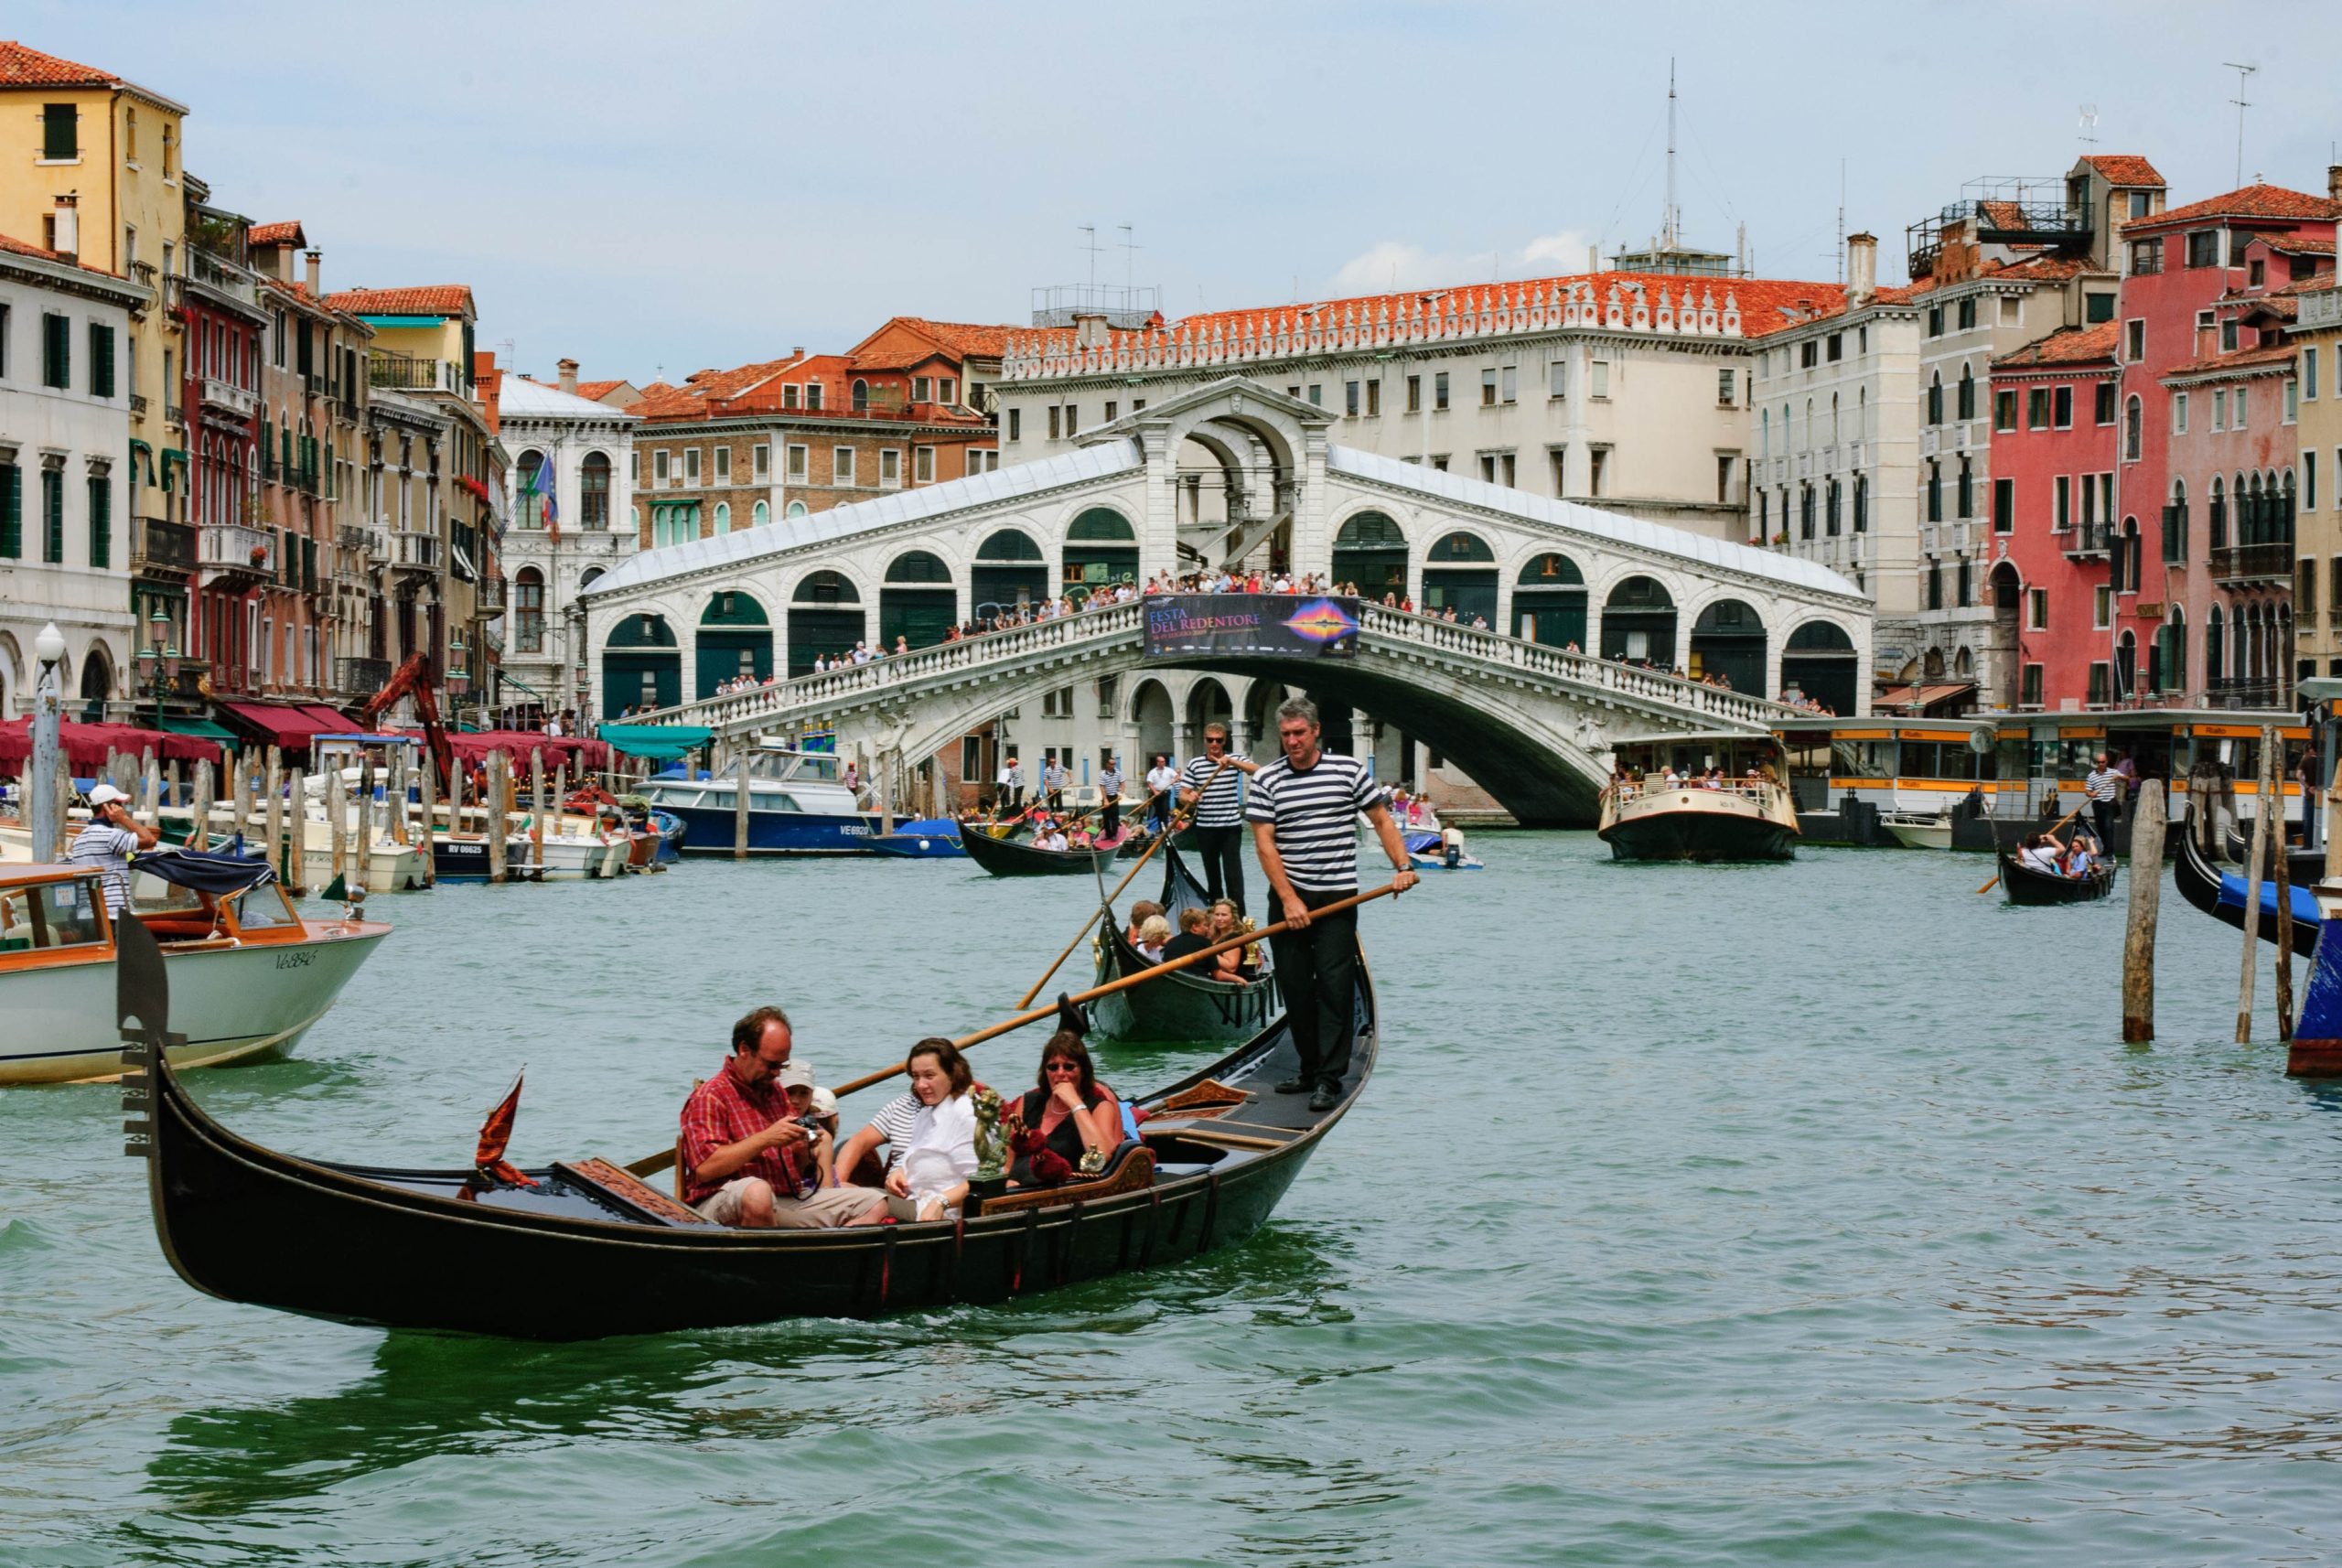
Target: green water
<point x="1805" y="1214"/>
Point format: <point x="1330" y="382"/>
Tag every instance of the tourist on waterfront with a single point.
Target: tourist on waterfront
<point x="1302" y="812"/>
<point x="941" y="1155"/>
<point x="2103" y="785"/>
<point x="1110" y="790"/>
<point x="744" y="1158"/>
<point x="109" y="841"/>
<point x="1218" y="807"/>
<point x="1067" y="1115"/>
<point x="1160" y="779"/>
<point x="1053" y="779"/>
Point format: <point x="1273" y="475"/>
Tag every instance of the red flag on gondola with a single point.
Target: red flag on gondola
<point x="495" y="1134"/>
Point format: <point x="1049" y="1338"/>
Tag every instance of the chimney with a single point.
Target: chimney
<point x="568" y="376"/>
<point x="315" y="259"/>
<point x="1089" y="331"/>
<point x="1862" y="268"/>
<point x="2334" y="182"/>
<point x="65" y="236"/>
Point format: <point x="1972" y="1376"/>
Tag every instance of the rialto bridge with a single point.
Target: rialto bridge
<point x="1531" y="709"/>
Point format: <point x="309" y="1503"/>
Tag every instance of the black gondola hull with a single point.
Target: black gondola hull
<point x="2199" y="883"/>
<point x="1181" y="1006"/>
<point x="2022" y="884"/>
<point x="1012" y="857"/>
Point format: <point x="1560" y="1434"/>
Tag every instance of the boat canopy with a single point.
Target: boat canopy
<point x="656" y="742"/>
<point x="205" y="871"/>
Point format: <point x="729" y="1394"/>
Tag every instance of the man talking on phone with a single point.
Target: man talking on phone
<point x="113" y="836"/>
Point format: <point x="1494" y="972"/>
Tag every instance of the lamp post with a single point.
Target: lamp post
<point x="159" y="661"/>
<point x="49" y="652"/>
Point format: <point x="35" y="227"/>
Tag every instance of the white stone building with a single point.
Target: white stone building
<point x="1626" y="390"/>
<point x="65" y="494"/>
<point x="588" y="446"/>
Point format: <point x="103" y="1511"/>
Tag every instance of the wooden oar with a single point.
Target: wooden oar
<point x="1106" y="901"/>
<point x="654" y="1164"/>
<point x="2068" y="817"/>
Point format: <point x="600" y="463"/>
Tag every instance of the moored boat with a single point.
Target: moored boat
<point x="797" y="805"/>
<point x="1185" y="1005"/>
<point x="2220" y="894"/>
<point x="604" y="1252"/>
<point x="2022" y="884"/>
<point x="252" y="975"/>
<point x="922" y="838"/>
<point x="1918" y="829"/>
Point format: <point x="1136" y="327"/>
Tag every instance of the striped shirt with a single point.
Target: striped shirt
<point x="2102" y="783"/>
<point x="109" y="848"/>
<point x="1313" y="816"/>
<point x="1110" y="784"/>
<point x="893" y="1124"/>
<point x="1223" y="804"/>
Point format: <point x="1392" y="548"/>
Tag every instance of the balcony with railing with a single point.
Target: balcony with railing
<point x="229" y="398"/>
<point x="2239" y="565"/>
<point x="2090" y="541"/>
<point x="231" y="549"/>
<point x="157" y="544"/>
<point x="412" y="550"/>
<point x="361" y="677"/>
<point x="2246" y="691"/>
<point x="400" y="373"/>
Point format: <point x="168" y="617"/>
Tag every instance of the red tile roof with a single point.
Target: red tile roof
<point x="433" y="299"/>
<point x="21" y="67"/>
<point x="598" y="391"/>
<point x="288" y="233"/>
<point x="25" y="248"/>
<point x="2124" y="168"/>
<point x="2066" y="346"/>
<point x="1767" y="304"/>
<point x="2296" y="244"/>
<point x="758" y="389"/>
<point x="2266" y="356"/>
<point x="2264" y="201"/>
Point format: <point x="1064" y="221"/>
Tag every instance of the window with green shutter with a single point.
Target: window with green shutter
<point x="12" y="511"/>
<point x="52" y="512"/>
<point x="100" y="360"/>
<point x="309" y="565"/>
<point x="60" y="131"/>
<point x="100" y="521"/>
<point x="56" y="351"/>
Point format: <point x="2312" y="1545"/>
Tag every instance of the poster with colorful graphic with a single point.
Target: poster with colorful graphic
<point x="1276" y="626"/>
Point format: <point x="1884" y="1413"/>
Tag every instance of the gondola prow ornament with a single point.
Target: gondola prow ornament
<point x="142" y="1010"/>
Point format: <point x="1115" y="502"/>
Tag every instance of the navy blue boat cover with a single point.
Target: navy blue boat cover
<point x="217" y="873"/>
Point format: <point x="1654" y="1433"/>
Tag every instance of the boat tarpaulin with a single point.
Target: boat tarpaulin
<point x="659" y="742"/>
<point x="206" y="871"/>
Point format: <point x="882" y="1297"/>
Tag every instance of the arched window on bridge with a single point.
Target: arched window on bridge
<point x="1100" y="548"/>
<point x="734" y="639"/>
<point x="1460" y="571"/>
<point x="1009" y="571"/>
<point x="825" y="618"/>
<point x="1371" y="551"/>
<point x="642" y="667"/>
<point x="916" y="602"/>
<point x="1819" y="663"/>
<point x="1728" y="643"/>
<point x="1638" y="623"/>
<point x="1549" y="602"/>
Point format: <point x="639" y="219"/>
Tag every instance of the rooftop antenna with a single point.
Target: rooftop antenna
<point x="1090" y="244"/>
<point x="1842" y="222"/>
<point x="1666" y="218"/>
<point x="2242" y="104"/>
<point x="2089" y="124"/>
<point x="1130" y="257"/>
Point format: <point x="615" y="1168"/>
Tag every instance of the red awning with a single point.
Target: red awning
<point x="335" y="720"/>
<point x="283" y="725"/>
<point x="85" y="746"/>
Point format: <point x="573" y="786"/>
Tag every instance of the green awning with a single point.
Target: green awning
<point x="659" y="742"/>
<point x="404" y="320"/>
<point x="203" y="727"/>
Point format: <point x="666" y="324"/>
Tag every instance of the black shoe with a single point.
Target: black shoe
<point x="1325" y="1098"/>
<point x="1295" y="1086"/>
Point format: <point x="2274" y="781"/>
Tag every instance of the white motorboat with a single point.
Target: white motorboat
<point x="248" y="975"/>
<point x="1918" y="829"/>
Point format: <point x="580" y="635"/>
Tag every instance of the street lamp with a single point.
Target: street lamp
<point x="159" y="661"/>
<point x="49" y="652"/>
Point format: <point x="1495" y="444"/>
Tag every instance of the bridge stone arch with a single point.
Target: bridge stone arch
<point x="642" y="663"/>
<point x="1154" y="724"/>
<point x="1819" y="658"/>
<point x="1729" y="638"/>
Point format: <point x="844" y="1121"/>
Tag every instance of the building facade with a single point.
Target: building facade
<point x="241" y="580"/>
<point x="569" y="502"/>
<point x="2316" y="335"/>
<point x="64" y="439"/>
<point x="1626" y="390"/>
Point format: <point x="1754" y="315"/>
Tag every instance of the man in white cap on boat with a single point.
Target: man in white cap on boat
<point x="113" y="836"/>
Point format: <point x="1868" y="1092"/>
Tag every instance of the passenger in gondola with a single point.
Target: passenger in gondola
<point x="2081" y="856"/>
<point x="1193" y="923"/>
<point x="1049" y="836"/>
<point x="1067" y="1115"/>
<point x="1153" y="937"/>
<point x="2040" y="854"/>
<point x="1240" y="965"/>
<point x="1142" y="911"/>
<point x="745" y="1158"/>
<point x="941" y="1155"/>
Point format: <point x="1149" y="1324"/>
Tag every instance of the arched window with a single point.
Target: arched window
<point x="594" y="492"/>
<point x="722" y="517"/>
<point x="2215" y="649"/>
<point x="761" y="516"/>
<point x="796" y="509"/>
<point x="1834" y="425"/>
<point x="1935" y="399"/>
<point x="1765" y="432"/>
<point x="1967" y="391"/>
<point x="861" y="394"/>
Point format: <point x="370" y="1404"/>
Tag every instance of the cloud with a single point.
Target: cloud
<point x="1394" y="265"/>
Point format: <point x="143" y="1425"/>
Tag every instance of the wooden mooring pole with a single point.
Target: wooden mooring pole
<point x="740" y="809"/>
<point x="2139" y="932"/>
<point x="2257" y="857"/>
<point x="427" y="774"/>
<point x="499" y="803"/>
<point x="2284" y="900"/>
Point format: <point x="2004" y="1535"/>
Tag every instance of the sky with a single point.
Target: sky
<point x="653" y="189"/>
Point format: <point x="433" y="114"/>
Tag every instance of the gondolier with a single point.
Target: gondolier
<point x="1012" y="785"/>
<point x="1216" y="795"/>
<point x="1161" y="779"/>
<point x="2103" y="785"/>
<point x="1053" y="779"/>
<point x="1110" y="790"/>
<point x="1303" y="811"/>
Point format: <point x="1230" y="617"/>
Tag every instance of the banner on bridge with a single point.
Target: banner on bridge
<point x="1275" y="625"/>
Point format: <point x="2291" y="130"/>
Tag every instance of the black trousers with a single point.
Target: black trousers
<point x="1317" y="971"/>
<point x="2102" y="813"/>
<point x="1113" y="818"/>
<point x="1222" y="850"/>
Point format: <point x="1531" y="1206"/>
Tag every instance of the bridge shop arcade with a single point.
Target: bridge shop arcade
<point x="1520" y="707"/>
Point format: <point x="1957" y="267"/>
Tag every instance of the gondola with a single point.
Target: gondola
<point x="2022" y="884"/>
<point x="1182" y="1005"/>
<point x="2220" y="894"/>
<point x="2303" y="867"/>
<point x="1134" y="841"/>
<point x="1016" y="857"/>
<point x="591" y="1251"/>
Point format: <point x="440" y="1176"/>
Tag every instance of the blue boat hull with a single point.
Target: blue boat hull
<point x="922" y="838"/>
<point x="709" y="832"/>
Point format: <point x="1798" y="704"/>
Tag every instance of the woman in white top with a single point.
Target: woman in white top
<point x="941" y="1155"/>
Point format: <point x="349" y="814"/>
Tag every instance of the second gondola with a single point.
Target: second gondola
<point x="2024" y="884"/>
<point x="1185" y="1005"/>
<point x="1021" y="857"/>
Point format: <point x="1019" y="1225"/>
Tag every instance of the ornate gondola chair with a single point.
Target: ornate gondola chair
<point x="1130" y="1169"/>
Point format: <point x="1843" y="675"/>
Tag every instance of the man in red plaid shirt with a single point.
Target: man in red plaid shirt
<point x="744" y="1159"/>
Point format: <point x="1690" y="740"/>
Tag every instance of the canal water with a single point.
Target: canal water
<point x="1808" y="1213"/>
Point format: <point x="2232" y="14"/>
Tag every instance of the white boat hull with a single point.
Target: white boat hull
<point x="1919" y="832"/>
<point x="231" y="1002"/>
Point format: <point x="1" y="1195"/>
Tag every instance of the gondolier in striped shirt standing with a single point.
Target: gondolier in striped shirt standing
<point x="1216" y="795"/>
<point x="1304" y="814"/>
<point x="2101" y="785"/>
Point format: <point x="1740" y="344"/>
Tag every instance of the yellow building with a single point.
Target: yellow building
<point x="89" y="165"/>
<point x="2318" y="522"/>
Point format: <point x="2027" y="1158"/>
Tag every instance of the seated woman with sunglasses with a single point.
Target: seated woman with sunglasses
<point x="1068" y="1116"/>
